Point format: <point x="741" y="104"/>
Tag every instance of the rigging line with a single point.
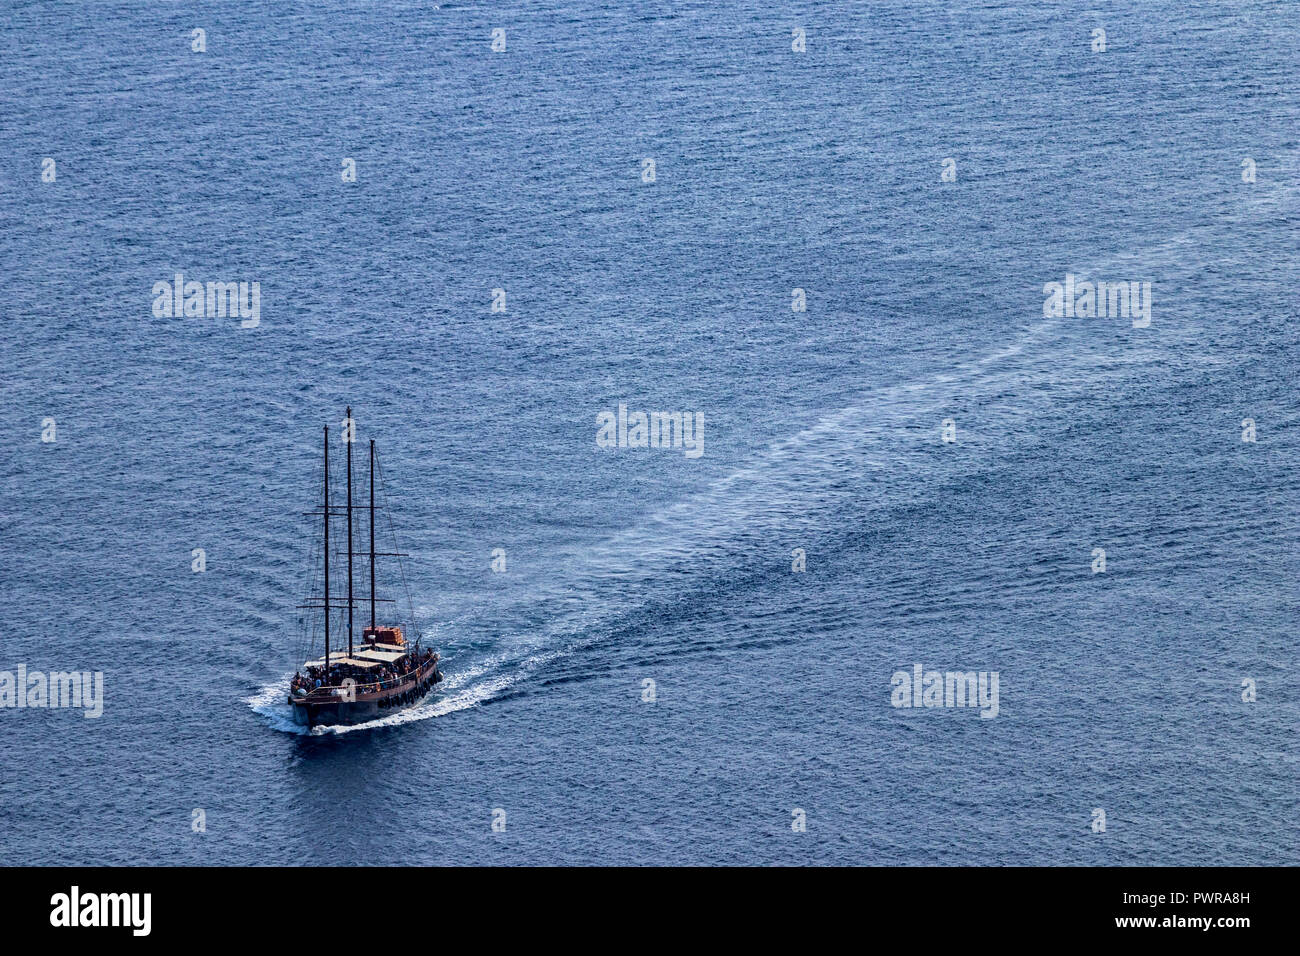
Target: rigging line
<point x="307" y="622"/>
<point x="392" y="531"/>
<point x="308" y="626"/>
<point x="333" y="556"/>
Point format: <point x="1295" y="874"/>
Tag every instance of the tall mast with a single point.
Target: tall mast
<point x="350" y="434"/>
<point x="327" y="554"/>
<point x="372" y="535"/>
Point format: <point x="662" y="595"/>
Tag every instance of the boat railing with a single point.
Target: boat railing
<point x="350" y="688"/>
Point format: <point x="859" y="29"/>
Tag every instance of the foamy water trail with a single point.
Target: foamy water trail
<point x="792" y="482"/>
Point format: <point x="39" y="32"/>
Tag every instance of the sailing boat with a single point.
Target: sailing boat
<point x="386" y="671"/>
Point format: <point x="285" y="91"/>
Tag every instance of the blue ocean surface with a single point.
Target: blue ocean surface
<point x="775" y="169"/>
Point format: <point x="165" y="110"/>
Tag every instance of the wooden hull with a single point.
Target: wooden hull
<point x="339" y="706"/>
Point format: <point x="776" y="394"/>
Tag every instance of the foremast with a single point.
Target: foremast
<point x="327" y="550"/>
<point x="349" y="437"/>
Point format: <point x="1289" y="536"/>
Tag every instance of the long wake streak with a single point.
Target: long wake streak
<point x="788" y="490"/>
<point x="883" y="446"/>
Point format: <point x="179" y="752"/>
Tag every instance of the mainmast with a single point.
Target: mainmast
<point x="327" y="553"/>
<point x="349" y="436"/>
<point x="372" y="535"/>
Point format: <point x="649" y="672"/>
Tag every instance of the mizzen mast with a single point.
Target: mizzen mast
<point x="349" y="436"/>
<point x="327" y="549"/>
<point x="372" y="536"/>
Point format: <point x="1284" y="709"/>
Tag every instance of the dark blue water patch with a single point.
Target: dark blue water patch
<point x="775" y="171"/>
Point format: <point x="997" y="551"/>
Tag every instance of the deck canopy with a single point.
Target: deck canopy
<point x="382" y="657"/>
<point x="349" y="661"/>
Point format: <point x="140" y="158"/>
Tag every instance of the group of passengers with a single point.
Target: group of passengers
<point x="385" y="677"/>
